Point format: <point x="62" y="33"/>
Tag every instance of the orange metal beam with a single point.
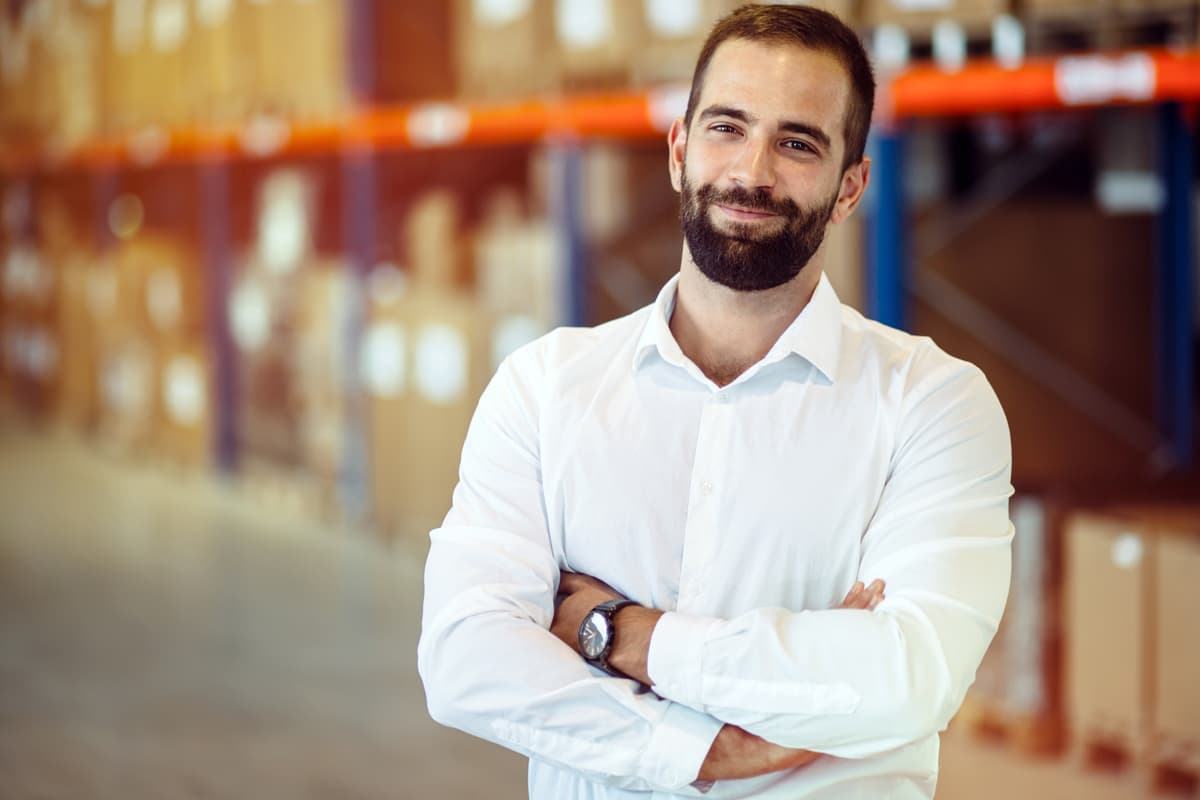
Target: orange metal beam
<point x="1075" y="81"/>
<point x="980" y="87"/>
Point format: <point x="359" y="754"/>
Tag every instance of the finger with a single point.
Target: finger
<point x="854" y="590"/>
<point x="875" y="601"/>
<point x="859" y="600"/>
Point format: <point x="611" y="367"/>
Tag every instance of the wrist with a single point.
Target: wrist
<point x="633" y="625"/>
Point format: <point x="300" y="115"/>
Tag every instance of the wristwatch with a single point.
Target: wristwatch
<point x="596" y="634"/>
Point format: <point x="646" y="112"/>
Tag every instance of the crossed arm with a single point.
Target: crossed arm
<point x="735" y="753"/>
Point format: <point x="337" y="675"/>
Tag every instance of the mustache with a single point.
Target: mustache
<point x="758" y="200"/>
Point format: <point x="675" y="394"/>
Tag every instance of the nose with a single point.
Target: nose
<point x="754" y="166"/>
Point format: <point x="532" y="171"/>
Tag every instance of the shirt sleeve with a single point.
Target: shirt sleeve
<point x="489" y="664"/>
<point x="855" y="683"/>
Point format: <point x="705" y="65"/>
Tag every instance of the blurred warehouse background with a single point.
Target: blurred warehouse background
<point x="258" y="259"/>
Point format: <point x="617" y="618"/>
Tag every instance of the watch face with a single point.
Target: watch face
<point x="593" y="638"/>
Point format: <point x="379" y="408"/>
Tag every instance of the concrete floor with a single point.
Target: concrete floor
<point x="163" y="637"/>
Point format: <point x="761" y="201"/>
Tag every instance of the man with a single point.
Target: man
<point x="731" y="460"/>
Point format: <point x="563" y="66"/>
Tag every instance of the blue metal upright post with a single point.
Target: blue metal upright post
<point x="566" y="204"/>
<point x="217" y="254"/>
<point x="359" y="225"/>
<point x="887" y="247"/>
<point x="1174" y="288"/>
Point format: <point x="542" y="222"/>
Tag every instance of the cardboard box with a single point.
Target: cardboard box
<point x="920" y="16"/>
<point x="505" y="50"/>
<point x="183" y="401"/>
<point x="521" y="280"/>
<point x="321" y="365"/>
<point x="79" y="399"/>
<point x="161" y="286"/>
<point x="23" y="61"/>
<point x="424" y="360"/>
<point x="124" y="40"/>
<point x="1108" y="640"/>
<point x="414" y="54"/>
<point x="1176" y="715"/>
<point x="219" y="63"/>
<point x="300" y="69"/>
<point x="597" y="41"/>
<point x="673" y="33"/>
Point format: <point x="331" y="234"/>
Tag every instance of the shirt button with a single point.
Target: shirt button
<point x="706" y="487"/>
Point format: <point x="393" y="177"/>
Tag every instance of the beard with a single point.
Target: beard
<point x="744" y="259"/>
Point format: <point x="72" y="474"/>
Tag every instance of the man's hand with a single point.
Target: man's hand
<point x="736" y="753"/>
<point x="865" y="598"/>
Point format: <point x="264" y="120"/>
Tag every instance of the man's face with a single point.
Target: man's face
<point x="743" y="256"/>
<point x="759" y="168"/>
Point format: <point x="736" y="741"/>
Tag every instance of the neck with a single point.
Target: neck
<point x="723" y="331"/>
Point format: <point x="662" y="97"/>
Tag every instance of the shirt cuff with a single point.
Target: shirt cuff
<point x="675" y="658"/>
<point x="678" y="747"/>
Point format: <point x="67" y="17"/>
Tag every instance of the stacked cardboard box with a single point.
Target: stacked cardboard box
<point x="1017" y="690"/>
<point x="79" y="397"/>
<point x="1108" y="580"/>
<point x="505" y="49"/>
<point x="1131" y="646"/>
<point x="68" y="254"/>
<point x="287" y="318"/>
<point x="263" y="315"/>
<point x="1176" y="710"/>
<point x="29" y="347"/>
<point x="153" y="364"/>
<point x="30" y="340"/>
<point x="424" y="362"/>
<point x="919" y="17"/>
<point x="520" y="272"/>
<point x="21" y="40"/>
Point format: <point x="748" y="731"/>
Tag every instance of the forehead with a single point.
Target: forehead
<point x="779" y="81"/>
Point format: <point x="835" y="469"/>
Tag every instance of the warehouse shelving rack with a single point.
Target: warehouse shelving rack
<point x="1169" y="79"/>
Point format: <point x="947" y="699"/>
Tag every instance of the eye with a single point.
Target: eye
<point x="800" y="146"/>
<point x="723" y="127"/>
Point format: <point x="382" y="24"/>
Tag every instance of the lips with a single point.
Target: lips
<point x="745" y="214"/>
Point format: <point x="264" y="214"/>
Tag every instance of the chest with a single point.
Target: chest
<point x="717" y="502"/>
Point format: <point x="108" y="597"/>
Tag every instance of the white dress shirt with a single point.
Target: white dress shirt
<point x="851" y="451"/>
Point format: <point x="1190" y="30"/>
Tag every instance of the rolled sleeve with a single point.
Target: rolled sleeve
<point x="678" y="747"/>
<point x="676" y="652"/>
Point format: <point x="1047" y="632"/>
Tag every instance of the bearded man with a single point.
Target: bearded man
<point x="642" y="581"/>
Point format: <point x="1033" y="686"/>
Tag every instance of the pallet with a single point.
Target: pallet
<point x="1173" y="767"/>
<point x="1157" y="771"/>
<point x="1032" y="735"/>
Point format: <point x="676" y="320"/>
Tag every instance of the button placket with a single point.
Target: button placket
<point x="701" y="519"/>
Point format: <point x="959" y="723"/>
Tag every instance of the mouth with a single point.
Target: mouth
<point x="744" y="214"/>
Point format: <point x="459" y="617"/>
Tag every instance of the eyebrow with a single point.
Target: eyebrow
<point x="790" y="126"/>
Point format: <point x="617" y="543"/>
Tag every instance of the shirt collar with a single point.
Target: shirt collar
<point x="815" y="335"/>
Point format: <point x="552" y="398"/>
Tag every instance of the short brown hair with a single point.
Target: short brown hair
<point x="807" y="27"/>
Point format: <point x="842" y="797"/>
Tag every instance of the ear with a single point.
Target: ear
<point x="676" y="148"/>
<point x="854" y="186"/>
